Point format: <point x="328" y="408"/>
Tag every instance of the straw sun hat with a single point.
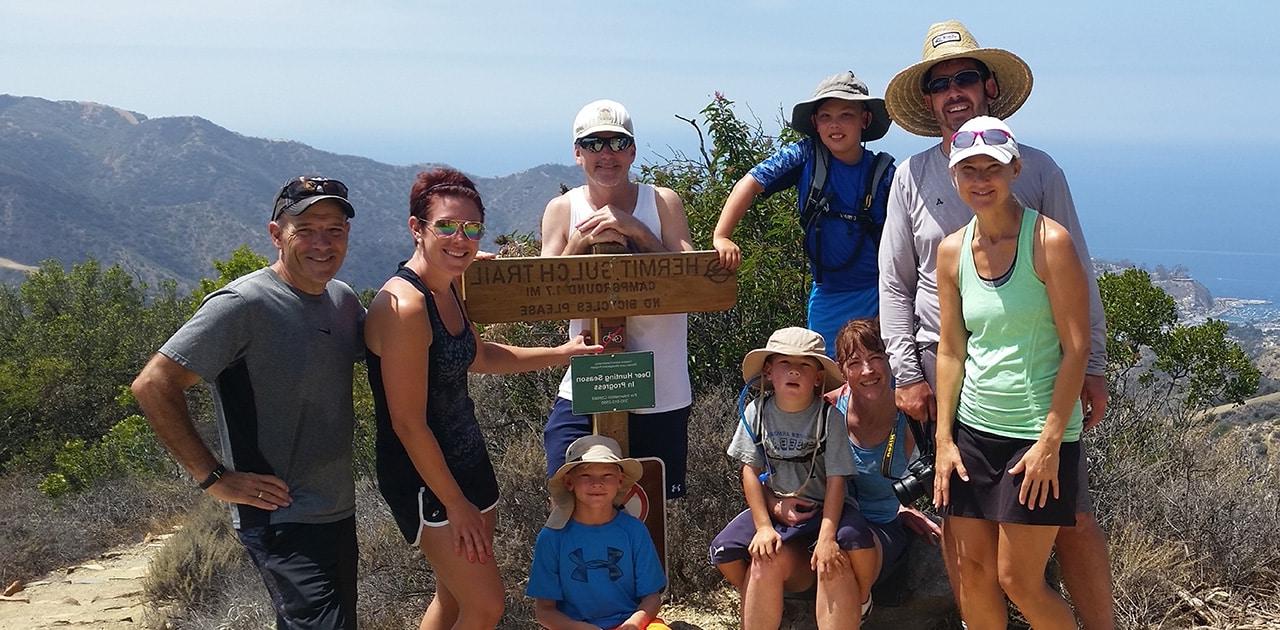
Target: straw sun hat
<point x="951" y="40"/>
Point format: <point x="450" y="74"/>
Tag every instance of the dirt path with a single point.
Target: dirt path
<point x="1265" y="398"/>
<point x="105" y="593"/>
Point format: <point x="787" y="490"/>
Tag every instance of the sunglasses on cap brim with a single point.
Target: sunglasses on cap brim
<point x="990" y="137"/>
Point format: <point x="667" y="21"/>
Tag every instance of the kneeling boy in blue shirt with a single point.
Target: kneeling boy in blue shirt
<point x="594" y="565"/>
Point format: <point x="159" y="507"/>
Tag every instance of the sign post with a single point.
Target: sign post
<point x="607" y="287"/>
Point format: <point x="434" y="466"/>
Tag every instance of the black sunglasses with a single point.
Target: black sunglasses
<point x="596" y="144"/>
<point x="303" y="187"/>
<point x="964" y="78"/>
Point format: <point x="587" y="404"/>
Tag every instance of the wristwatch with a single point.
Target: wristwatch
<point x="213" y="477"/>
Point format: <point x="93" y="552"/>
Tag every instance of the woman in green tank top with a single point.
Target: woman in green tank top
<point x="1011" y="361"/>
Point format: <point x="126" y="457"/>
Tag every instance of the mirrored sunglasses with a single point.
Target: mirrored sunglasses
<point x="990" y="137"/>
<point x="596" y="144"/>
<point x="964" y="78"/>
<point x="446" y="228"/>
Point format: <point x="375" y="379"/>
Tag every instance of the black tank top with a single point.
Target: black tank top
<point x="450" y="411"/>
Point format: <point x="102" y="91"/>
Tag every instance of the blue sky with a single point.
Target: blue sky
<point x="1161" y="113"/>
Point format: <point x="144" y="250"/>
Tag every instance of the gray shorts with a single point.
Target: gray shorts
<point x="1084" y="500"/>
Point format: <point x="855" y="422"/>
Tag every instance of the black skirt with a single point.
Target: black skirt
<point x="992" y="492"/>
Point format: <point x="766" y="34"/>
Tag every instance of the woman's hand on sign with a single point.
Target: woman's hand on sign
<point x="578" y="345"/>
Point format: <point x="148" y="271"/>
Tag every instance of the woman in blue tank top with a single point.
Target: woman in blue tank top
<point x="1011" y="360"/>
<point x="875" y="428"/>
<point x="433" y="469"/>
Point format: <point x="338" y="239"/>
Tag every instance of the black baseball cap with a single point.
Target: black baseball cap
<point x="299" y="193"/>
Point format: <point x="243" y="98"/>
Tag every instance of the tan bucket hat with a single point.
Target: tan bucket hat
<point x="588" y="449"/>
<point x="846" y="87"/>
<point x="793" y="342"/>
<point x="951" y="40"/>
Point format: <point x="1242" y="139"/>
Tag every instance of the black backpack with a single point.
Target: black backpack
<point x="817" y="202"/>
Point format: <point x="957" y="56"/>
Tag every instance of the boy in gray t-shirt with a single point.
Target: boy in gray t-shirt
<point x="794" y="444"/>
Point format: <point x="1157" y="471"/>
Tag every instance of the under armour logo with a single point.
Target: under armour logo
<point x="580" y="566"/>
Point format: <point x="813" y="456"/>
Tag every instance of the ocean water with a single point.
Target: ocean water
<point x="1227" y="274"/>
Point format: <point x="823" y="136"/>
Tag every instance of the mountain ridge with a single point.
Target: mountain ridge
<point x="166" y="196"/>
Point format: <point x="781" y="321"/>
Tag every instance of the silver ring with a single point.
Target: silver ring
<point x="259" y="494"/>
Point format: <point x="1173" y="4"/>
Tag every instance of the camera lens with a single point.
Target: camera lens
<point x="917" y="483"/>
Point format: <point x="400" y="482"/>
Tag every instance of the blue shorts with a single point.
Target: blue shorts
<point x="854" y="532"/>
<point x="894" y="539"/>
<point x="309" y="570"/>
<point x="663" y="435"/>
<point x="830" y="310"/>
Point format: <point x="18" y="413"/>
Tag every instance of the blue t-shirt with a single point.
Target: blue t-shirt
<point x="850" y="274"/>
<point x="845" y="247"/>
<point x="596" y="573"/>
<point x="872" y="491"/>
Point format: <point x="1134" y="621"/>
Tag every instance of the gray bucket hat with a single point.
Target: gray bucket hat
<point x="846" y="87"/>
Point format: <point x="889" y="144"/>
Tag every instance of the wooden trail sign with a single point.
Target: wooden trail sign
<point x="597" y="285"/>
<point x="606" y="288"/>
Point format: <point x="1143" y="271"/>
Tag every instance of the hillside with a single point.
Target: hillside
<point x="165" y="196"/>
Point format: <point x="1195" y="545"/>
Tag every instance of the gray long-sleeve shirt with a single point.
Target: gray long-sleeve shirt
<point x="923" y="208"/>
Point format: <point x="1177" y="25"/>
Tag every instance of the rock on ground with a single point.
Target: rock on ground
<point x="104" y="593"/>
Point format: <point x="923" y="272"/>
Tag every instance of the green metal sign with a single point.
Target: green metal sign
<point x="612" y="382"/>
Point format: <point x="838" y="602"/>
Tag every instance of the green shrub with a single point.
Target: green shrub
<point x="773" y="281"/>
<point x="128" y="449"/>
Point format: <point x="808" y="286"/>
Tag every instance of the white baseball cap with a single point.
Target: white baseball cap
<point x="977" y="135"/>
<point x="602" y="115"/>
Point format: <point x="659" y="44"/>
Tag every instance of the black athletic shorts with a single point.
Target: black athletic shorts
<point x="992" y="493"/>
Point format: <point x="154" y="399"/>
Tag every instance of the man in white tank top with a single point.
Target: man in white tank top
<point x="611" y="208"/>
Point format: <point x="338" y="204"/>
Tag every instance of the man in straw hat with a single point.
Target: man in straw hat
<point x="956" y="81"/>
<point x="594" y="563"/>
<point x="843" y="189"/>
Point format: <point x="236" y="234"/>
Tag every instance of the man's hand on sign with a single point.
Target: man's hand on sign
<point x="607" y="218"/>
<point x="730" y="254"/>
<point x="606" y="236"/>
<point x="576" y="346"/>
<point x="483" y="255"/>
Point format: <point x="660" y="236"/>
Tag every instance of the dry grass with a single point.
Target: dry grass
<point x="39" y="534"/>
<point x="1193" y="513"/>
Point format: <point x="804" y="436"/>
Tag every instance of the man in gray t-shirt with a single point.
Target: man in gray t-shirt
<point x="277" y="347"/>
<point x="957" y="81"/>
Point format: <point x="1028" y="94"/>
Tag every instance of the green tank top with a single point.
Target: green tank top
<point x="1013" y="348"/>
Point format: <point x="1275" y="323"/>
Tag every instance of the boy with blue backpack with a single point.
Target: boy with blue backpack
<point x="844" y="188"/>
<point x="792" y="443"/>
